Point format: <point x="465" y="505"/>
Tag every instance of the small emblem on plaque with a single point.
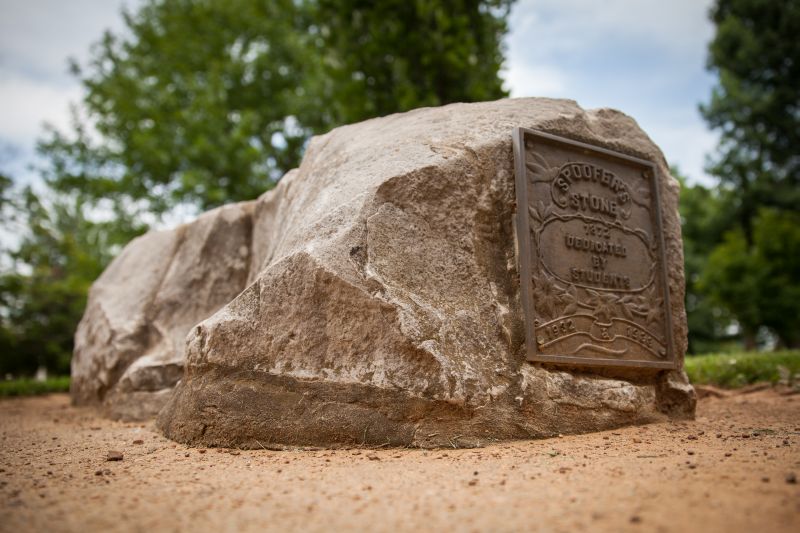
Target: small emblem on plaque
<point x="593" y="275"/>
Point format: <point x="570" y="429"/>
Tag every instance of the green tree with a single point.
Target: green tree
<point x="760" y="282"/>
<point x="777" y="249"/>
<point x="755" y="106"/>
<point x="205" y="102"/>
<point x="395" y="55"/>
<point x="704" y="219"/>
<point x="43" y="289"/>
<point x="192" y="106"/>
<point x="731" y="279"/>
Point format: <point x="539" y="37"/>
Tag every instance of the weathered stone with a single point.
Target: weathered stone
<point x="113" y="455"/>
<point x="384" y="298"/>
<point x="676" y="395"/>
<point x="376" y="302"/>
<point x="592" y="265"/>
<point x="129" y="346"/>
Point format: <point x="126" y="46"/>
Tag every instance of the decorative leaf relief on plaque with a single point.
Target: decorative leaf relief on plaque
<point x="654" y="308"/>
<point x="641" y="194"/>
<point x="605" y="306"/>
<point x="540" y="213"/>
<point x="554" y="300"/>
<point x="539" y="169"/>
<point x="536" y="163"/>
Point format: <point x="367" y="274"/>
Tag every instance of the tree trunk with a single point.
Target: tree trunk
<point x="749" y="340"/>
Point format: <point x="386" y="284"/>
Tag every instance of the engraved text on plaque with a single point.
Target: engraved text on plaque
<point x="593" y="276"/>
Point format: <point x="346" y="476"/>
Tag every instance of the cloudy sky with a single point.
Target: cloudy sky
<point x="644" y="57"/>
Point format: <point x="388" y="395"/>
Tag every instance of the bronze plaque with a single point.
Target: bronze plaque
<point x="591" y="249"/>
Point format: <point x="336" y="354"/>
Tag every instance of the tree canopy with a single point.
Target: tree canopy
<point x="43" y="289"/>
<point x="396" y="55"/>
<point x="202" y="102"/>
<point x="751" y="270"/>
<point x="755" y="105"/>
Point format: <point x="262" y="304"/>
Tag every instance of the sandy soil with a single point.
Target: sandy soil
<point x="731" y="470"/>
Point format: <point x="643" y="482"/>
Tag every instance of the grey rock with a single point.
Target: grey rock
<point x="129" y="346"/>
<point x="676" y="396"/>
<point x="113" y="455"/>
<point x="382" y="303"/>
<point x="371" y="297"/>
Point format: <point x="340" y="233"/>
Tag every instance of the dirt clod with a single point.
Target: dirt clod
<point x="114" y="455"/>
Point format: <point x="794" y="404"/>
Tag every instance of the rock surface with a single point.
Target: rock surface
<point x="380" y="299"/>
<point x="129" y="346"/>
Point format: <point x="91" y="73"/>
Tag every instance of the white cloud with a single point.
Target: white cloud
<point x="37" y="36"/>
<point x="686" y="144"/>
<point x="36" y="39"/>
<point x="679" y="26"/>
<point x="644" y="57"/>
<point x="26" y="104"/>
<point x="535" y="80"/>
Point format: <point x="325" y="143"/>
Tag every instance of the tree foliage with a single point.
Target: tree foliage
<point x="43" y="292"/>
<point x="383" y="57"/>
<point x="752" y="270"/>
<point x="756" y="103"/>
<point x="760" y="282"/>
<point x="704" y="219"/>
<point x="204" y="102"/>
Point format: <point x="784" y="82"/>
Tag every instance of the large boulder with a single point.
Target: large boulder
<point x="381" y="301"/>
<point x="129" y="346"/>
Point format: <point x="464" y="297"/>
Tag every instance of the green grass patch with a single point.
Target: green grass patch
<point x="31" y="387"/>
<point x="732" y="370"/>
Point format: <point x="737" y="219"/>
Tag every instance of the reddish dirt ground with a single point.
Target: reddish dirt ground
<point x="730" y="470"/>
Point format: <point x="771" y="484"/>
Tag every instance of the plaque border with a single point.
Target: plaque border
<point x="522" y="228"/>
